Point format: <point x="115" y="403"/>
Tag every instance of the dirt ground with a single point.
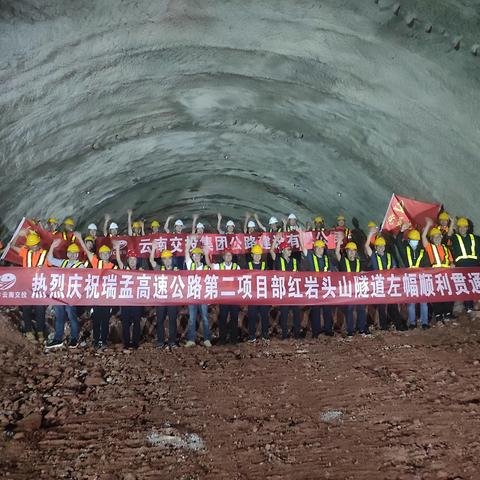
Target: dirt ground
<point x="398" y="405"/>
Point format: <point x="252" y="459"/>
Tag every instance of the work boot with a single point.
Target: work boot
<point x="207" y="343"/>
<point x="41" y="337"/>
<point x="30" y="336"/>
<point x="190" y="344"/>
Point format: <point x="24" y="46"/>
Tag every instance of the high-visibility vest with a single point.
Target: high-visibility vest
<point x="380" y="263"/>
<point x="40" y="259"/>
<point x="283" y="264"/>
<point x="291" y="228"/>
<point x="77" y="264"/>
<point x="250" y="266"/>
<point x="411" y="264"/>
<point x="349" y="268"/>
<point x="316" y="264"/>
<point x="65" y="237"/>
<point x="234" y="266"/>
<point x="464" y="255"/>
<point x="205" y="267"/>
<point x="439" y="262"/>
<point x="164" y="268"/>
<point x="101" y="264"/>
<point x="273" y="230"/>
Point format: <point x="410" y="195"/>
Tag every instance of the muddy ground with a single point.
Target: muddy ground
<point x="399" y="405"/>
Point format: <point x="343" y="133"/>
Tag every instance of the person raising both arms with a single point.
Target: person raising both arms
<point x="135" y="229"/>
<point x="250" y="227"/>
<point x="110" y="229"/>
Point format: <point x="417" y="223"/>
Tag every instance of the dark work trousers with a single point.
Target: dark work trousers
<point x="101" y="324"/>
<point x="315" y="319"/>
<point x="284" y="309"/>
<point x="253" y="312"/>
<point x="388" y="314"/>
<point x="131" y="316"/>
<point x="162" y="312"/>
<point x="361" y="318"/>
<point x="443" y="308"/>
<point x="39" y="311"/>
<point x="228" y="329"/>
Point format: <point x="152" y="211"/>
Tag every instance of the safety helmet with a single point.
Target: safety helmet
<point x="230" y="223"/>
<point x="256" y="250"/>
<point x="52" y="220"/>
<point x="319" y="244"/>
<point x="462" y="222"/>
<point x="414" y="235"/>
<point x="197" y="250"/>
<point x="104" y="248"/>
<point x="340" y="217"/>
<point x="32" y="239"/>
<point x="318" y="219"/>
<point x="251" y="224"/>
<point x="272" y="220"/>
<point x="155" y="223"/>
<point x="200" y="225"/>
<point x="284" y="245"/>
<point x="434" y="231"/>
<point x="292" y="216"/>
<point x="371" y="224"/>
<point x="178" y="223"/>
<point x="113" y="225"/>
<point x="73" y="248"/>
<point x="443" y="216"/>
<point x="380" y="242"/>
<point x="89" y="238"/>
<point x="92" y="226"/>
<point x="136" y="225"/>
<point x="69" y="221"/>
<point x="166" y="254"/>
<point x="351" y="246"/>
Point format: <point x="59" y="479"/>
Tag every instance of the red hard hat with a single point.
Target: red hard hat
<point x="284" y="245"/>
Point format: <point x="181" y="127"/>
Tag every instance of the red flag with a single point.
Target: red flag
<point x="406" y="210"/>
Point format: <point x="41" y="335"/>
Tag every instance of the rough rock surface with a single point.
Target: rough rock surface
<point x="182" y="106"/>
<point x="397" y="406"/>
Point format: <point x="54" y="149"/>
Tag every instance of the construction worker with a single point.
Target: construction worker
<point x="135" y="229"/>
<point x="349" y="262"/>
<point x="439" y="256"/>
<point x="250" y="227"/>
<point x="164" y="311"/>
<point x="193" y="261"/>
<point x="372" y="229"/>
<point x="229" y="226"/>
<point x="33" y="256"/>
<point x="465" y="248"/>
<point x="52" y="225"/>
<point x="68" y="226"/>
<point x="285" y="262"/>
<point x="318" y="261"/>
<point x="381" y="260"/>
<point x="198" y="228"/>
<point x="256" y="263"/>
<point x="112" y="230"/>
<point x="318" y="224"/>
<point x="72" y="261"/>
<point x="155" y="226"/>
<point x="131" y="314"/>
<point x="413" y="256"/>
<point x="444" y="222"/>
<point x="227" y="331"/>
<point x="92" y="230"/>
<point x="291" y="223"/>
<point x="178" y="226"/>
<point x="101" y="313"/>
<point x="274" y="225"/>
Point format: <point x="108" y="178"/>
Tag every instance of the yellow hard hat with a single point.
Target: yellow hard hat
<point x="69" y="221"/>
<point x="340" y="217"/>
<point x="319" y="243"/>
<point x="371" y="224"/>
<point x="444" y="216"/>
<point x="166" y="254"/>
<point x="136" y="225"/>
<point x="435" y="231"/>
<point x="89" y="238"/>
<point x="414" y="235"/>
<point x="351" y="246"/>
<point x="104" y="248"/>
<point x="380" y="242"/>
<point x="52" y="220"/>
<point x="32" y="239"/>
<point x="197" y="250"/>
<point x="73" y="248"/>
<point x="155" y="223"/>
<point x="256" y="250"/>
<point x="318" y="219"/>
<point x="462" y="222"/>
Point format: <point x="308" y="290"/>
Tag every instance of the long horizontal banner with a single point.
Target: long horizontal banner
<point x="142" y="245"/>
<point x="47" y="286"/>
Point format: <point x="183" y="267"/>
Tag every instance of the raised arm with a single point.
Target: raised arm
<point x="105" y="224"/>
<point x="276" y="238"/>
<point x="219" y="224"/>
<point x="21" y="233"/>
<point x="368" y="248"/>
<point x="426" y="228"/>
<point x="153" y="263"/>
<point x="206" y="254"/>
<point x="301" y="239"/>
<point x="56" y="242"/>
<point x="194" y="222"/>
<point x="451" y="227"/>
<point x="247" y="216"/>
<point x="188" y="243"/>
<point x="142" y="223"/>
<point x="129" y="222"/>
<point x="116" y="246"/>
<point x="89" y="254"/>
<point x="338" y="245"/>
<point x="167" y="222"/>
<point x="259" y="223"/>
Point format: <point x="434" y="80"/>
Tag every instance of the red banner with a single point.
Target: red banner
<point x="406" y="210"/>
<point x="48" y="286"/>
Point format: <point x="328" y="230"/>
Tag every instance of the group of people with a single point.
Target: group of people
<point x="442" y="243"/>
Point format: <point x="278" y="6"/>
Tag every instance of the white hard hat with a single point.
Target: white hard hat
<point x="92" y="226"/>
<point x="230" y="223"/>
<point x="113" y="225"/>
<point x="179" y="223"/>
<point x="292" y="216"/>
<point x="251" y="224"/>
<point x="272" y="220"/>
<point x="200" y="225"/>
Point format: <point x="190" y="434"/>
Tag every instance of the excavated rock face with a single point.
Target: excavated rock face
<point x="177" y="107"/>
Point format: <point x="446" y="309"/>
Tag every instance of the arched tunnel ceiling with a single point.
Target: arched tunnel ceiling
<point x="177" y="107"/>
